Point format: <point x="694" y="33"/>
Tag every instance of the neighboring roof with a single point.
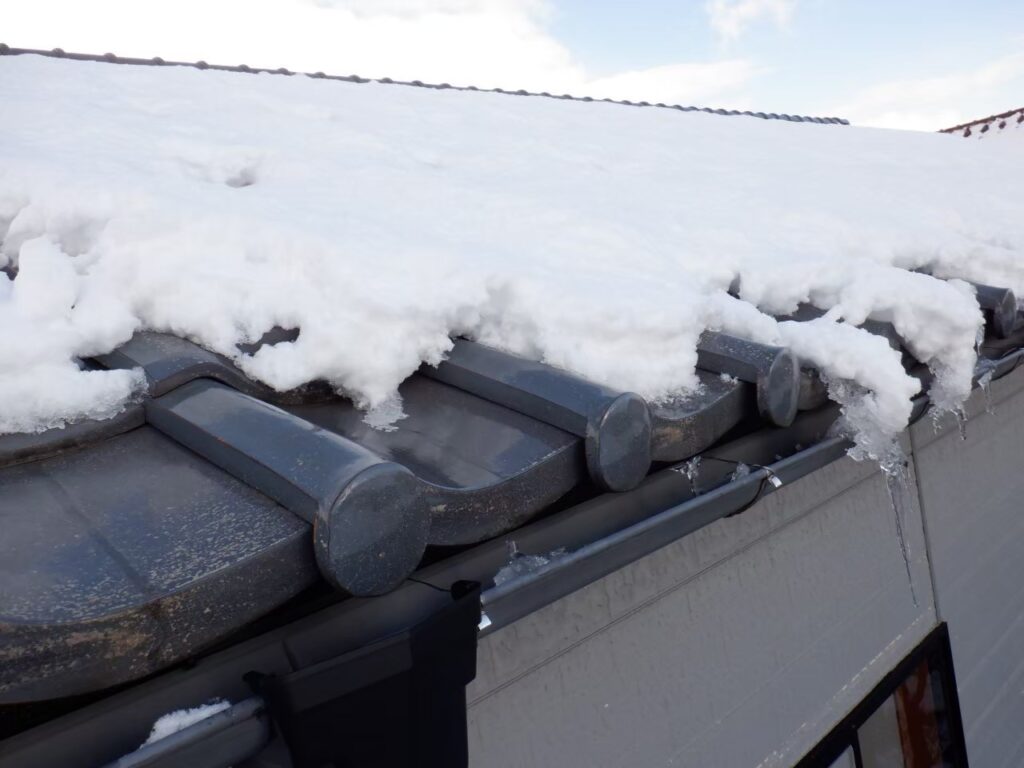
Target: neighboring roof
<point x="1004" y="124"/>
<point x="6" y="50"/>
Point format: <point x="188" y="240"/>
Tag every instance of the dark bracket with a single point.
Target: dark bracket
<point x="775" y="371"/>
<point x="395" y="703"/>
<point x="370" y="517"/>
<point x="616" y="426"/>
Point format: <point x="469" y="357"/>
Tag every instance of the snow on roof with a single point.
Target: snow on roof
<point x="1004" y="124"/>
<point x="383" y="220"/>
<point x="157" y="61"/>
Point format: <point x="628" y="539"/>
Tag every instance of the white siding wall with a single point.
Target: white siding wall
<point x="972" y="494"/>
<point x="740" y="645"/>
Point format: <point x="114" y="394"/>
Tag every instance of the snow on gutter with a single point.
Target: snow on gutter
<point x="382" y="220"/>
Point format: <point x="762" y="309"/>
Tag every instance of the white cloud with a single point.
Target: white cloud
<point x="484" y="42"/>
<point x="489" y="43"/>
<point x="696" y="83"/>
<point x="731" y="18"/>
<point x="932" y="103"/>
<point x="413" y="8"/>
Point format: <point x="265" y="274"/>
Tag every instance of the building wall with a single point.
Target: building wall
<point x="972" y="494"/>
<point x="740" y="645"/>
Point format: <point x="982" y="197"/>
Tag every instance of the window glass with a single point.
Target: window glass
<point x="880" y="744"/>
<point x="918" y="712"/>
<point x="904" y="731"/>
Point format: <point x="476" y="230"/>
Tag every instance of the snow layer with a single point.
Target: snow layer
<point x="381" y="220"/>
<point x="180" y="719"/>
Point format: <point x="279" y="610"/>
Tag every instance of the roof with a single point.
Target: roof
<point x="1003" y="124"/>
<point x="214" y="498"/>
<point x="6" y="50"/>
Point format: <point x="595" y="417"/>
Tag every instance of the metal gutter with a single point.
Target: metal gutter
<point x="521" y="596"/>
<point x="530" y="592"/>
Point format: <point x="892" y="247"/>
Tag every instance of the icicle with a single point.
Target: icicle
<point x="897" y="482"/>
<point x="958" y="413"/>
<point x="985" y="384"/>
<point x="961" y="422"/>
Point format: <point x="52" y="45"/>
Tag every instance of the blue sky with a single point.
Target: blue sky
<point x="907" y="64"/>
<point x="865" y="38"/>
<point x="824" y="52"/>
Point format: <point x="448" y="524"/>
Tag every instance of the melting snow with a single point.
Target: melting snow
<point x="381" y="220"/>
<point x="520" y="565"/>
<point x="691" y="469"/>
<point x="741" y="471"/>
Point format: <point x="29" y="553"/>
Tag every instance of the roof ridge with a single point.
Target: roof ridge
<point x="59" y="53"/>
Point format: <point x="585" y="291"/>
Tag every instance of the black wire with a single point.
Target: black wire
<point x="761" y="487"/>
<point x="414" y="580"/>
<point x="736" y="462"/>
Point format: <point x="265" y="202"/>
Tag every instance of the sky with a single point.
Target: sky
<point x="907" y="64"/>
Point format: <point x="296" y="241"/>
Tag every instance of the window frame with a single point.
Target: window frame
<point x="936" y="650"/>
